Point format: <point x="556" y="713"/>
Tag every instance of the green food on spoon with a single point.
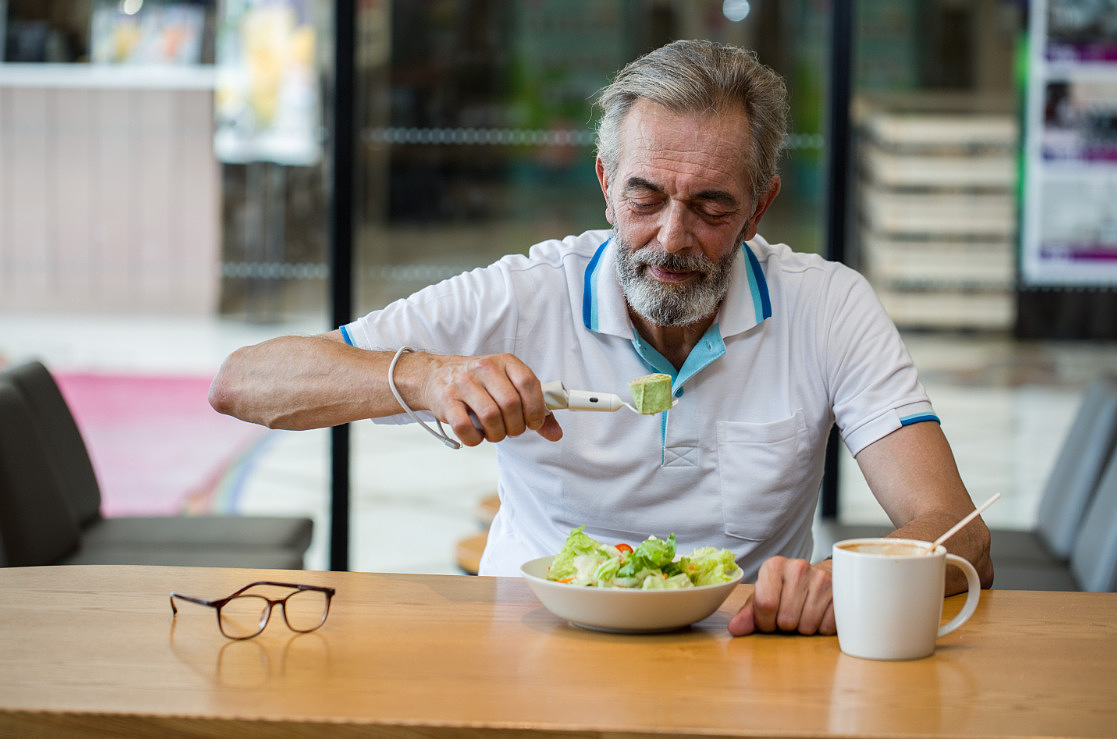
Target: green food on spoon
<point x="651" y="393"/>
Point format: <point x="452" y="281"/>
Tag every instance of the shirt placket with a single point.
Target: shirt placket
<point x="679" y="431"/>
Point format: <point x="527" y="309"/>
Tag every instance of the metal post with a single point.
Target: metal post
<point x="837" y="190"/>
<point x="341" y="255"/>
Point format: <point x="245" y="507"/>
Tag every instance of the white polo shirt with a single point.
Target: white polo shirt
<point x="800" y="343"/>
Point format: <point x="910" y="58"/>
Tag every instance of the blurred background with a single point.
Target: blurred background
<point x="166" y="189"/>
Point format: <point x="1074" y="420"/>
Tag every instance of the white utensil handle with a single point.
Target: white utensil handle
<point x="556" y="396"/>
<point x="586" y="400"/>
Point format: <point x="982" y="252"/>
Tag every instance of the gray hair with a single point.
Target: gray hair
<point x="701" y="77"/>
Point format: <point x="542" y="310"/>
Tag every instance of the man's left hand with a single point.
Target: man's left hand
<point x="791" y="595"/>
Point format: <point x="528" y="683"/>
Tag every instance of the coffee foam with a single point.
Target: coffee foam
<point x="886" y="548"/>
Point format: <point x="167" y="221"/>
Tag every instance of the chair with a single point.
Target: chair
<point x="201" y="540"/>
<point x="1093" y="562"/>
<point x="1040" y="557"/>
<point x="1094" y="558"/>
<point x="36" y="524"/>
<point x="1073" y="481"/>
<point x="1014" y="574"/>
<point x="38" y="527"/>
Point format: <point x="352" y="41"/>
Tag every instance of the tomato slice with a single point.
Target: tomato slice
<point x="624" y="548"/>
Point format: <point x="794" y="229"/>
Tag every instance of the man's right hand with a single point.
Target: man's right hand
<point x="487" y="398"/>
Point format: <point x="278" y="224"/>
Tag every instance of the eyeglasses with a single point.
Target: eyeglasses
<point x="243" y="615"/>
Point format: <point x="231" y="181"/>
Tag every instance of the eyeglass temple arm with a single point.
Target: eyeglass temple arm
<point x="297" y="586"/>
<point x="192" y="599"/>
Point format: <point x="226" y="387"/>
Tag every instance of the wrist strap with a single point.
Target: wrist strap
<point x="441" y="433"/>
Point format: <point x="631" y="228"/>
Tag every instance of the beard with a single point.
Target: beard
<point x="668" y="304"/>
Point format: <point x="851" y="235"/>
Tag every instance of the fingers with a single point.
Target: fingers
<point x="550" y="430"/>
<point x="768" y="600"/>
<point x="818" y="611"/>
<point x="532" y="409"/>
<point x="490" y="398"/>
<point x="828" y="626"/>
<point x="791" y="595"/>
<point x="742" y="622"/>
<point x="816" y="615"/>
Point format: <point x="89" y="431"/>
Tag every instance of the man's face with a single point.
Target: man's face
<point x="680" y="205"/>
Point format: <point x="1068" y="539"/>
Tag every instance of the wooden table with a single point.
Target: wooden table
<point x="89" y="650"/>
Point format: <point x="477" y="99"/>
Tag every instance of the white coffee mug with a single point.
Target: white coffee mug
<point x="888" y="596"/>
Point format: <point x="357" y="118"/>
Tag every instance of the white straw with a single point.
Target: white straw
<point x="956" y="527"/>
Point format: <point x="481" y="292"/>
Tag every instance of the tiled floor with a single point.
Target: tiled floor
<point x="1005" y="406"/>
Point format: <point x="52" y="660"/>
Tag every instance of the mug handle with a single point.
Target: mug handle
<point x="972" y="595"/>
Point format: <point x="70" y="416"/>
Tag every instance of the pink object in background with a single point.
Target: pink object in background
<point x="155" y="442"/>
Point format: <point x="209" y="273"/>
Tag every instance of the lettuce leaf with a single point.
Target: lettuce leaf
<point x="652" y="565"/>
<point x="709" y="566"/>
<point x="579" y="559"/>
<point x="651" y="554"/>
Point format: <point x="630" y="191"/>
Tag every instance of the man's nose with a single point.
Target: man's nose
<point x="675" y="234"/>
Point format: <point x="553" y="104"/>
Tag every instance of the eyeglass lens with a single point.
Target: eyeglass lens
<point x="244" y="616"/>
<point x="305" y="610"/>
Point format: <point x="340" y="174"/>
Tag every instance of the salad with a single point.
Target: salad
<point x="652" y="565"/>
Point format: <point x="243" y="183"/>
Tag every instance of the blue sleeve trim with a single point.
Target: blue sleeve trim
<point x="919" y="418"/>
<point x="345" y="335"/>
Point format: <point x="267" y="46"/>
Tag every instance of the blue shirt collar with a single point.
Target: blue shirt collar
<point x="747" y="303"/>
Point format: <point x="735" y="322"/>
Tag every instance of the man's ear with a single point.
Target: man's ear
<point x="762" y="207"/>
<point x="603" y="180"/>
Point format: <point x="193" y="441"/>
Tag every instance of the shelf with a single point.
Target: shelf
<point x="938" y="214"/>
<point x="107" y="77"/>
<point x="942" y="132"/>
<point x="964" y="263"/>
<point x="949" y="309"/>
<point x="892" y="169"/>
<point x="937" y="209"/>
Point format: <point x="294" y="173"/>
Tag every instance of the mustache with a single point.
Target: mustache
<point x="651" y="257"/>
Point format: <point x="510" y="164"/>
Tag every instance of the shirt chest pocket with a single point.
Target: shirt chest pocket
<point x="764" y="471"/>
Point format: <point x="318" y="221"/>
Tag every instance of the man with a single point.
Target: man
<point x="766" y="348"/>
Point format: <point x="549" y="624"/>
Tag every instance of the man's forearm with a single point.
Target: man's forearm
<point x="299" y="382"/>
<point x="312" y="382"/>
<point x="913" y="474"/>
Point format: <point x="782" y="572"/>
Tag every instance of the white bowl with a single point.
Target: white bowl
<point x="623" y="609"/>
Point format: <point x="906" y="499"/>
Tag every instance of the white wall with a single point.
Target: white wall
<point x="109" y="190"/>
